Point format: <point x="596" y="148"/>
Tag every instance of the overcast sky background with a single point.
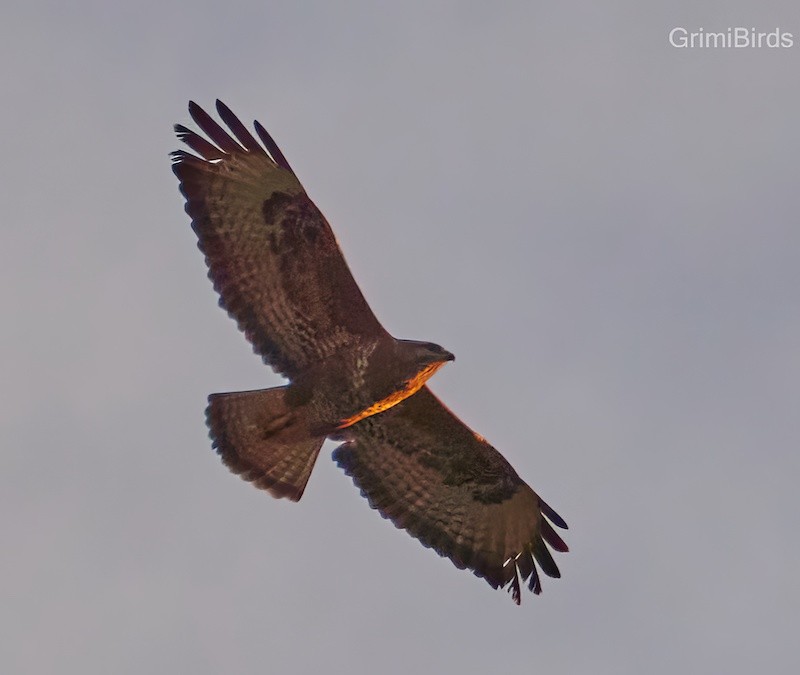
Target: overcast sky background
<point x="604" y="230"/>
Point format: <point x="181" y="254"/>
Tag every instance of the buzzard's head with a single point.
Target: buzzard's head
<point x="425" y="353"/>
<point x="419" y="361"/>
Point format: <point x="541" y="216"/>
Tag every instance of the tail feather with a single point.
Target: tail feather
<point x="265" y="441"/>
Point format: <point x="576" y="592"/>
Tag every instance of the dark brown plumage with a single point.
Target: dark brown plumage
<point x="271" y="254"/>
<point x="275" y="263"/>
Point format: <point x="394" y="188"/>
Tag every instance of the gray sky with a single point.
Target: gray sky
<point x="603" y="228"/>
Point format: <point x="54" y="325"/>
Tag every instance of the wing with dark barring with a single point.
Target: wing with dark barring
<point x="427" y="472"/>
<point x="271" y="254"/>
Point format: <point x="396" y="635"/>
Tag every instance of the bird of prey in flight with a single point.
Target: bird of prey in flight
<point x="280" y="274"/>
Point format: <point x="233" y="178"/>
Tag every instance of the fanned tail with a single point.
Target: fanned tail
<point x="264" y="440"/>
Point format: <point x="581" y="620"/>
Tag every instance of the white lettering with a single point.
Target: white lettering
<point x="774" y="39"/>
<point x="736" y="37"/>
<point x="677" y="37"/>
<point x="741" y="37"/>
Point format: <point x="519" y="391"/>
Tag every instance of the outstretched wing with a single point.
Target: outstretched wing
<point x="422" y="468"/>
<point x="270" y="252"/>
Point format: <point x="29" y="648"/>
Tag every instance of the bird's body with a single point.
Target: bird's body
<point x="280" y="274"/>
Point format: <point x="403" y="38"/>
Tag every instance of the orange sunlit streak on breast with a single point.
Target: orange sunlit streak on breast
<point x="411" y="387"/>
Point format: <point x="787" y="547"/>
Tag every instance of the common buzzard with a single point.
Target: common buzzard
<point x="275" y="263"/>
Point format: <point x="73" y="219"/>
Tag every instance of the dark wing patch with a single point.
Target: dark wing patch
<point x="271" y="254"/>
<point x="423" y="469"/>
